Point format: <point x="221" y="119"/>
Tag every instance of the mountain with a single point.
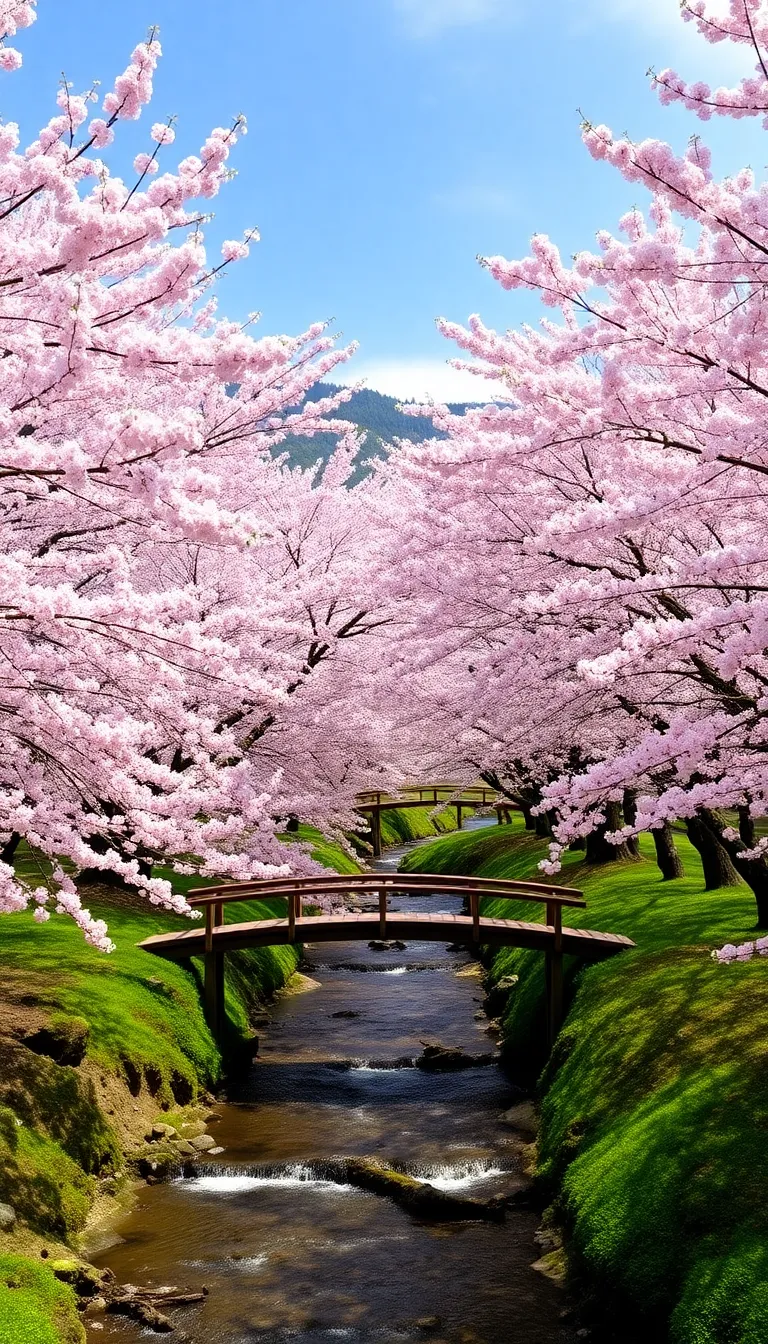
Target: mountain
<point x="373" y="412"/>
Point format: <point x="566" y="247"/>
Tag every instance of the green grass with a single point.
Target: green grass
<point x="323" y="850"/>
<point x="415" y="823"/>
<point x="655" y="1101"/>
<point x="34" y="1307"/>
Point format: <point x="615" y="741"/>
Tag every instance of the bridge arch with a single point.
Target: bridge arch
<point x="216" y="938"/>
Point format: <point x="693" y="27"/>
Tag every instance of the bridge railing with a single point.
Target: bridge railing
<point x="429" y="794"/>
<point x="295" y="890"/>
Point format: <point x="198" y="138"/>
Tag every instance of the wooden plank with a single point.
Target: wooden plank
<point x="323" y="928"/>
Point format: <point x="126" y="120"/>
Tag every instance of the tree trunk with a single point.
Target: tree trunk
<point x="630" y="817"/>
<point x="718" y="869"/>
<point x="8" y="851"/>
<point x="753" y="871"/>
<point x="528" y="817"/>
<point x="598" y="849"/>
<point x="667" y="857"/>
<point x="544" y="825"/>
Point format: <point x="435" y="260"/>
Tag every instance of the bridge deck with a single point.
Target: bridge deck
<point x="440" y="928"/>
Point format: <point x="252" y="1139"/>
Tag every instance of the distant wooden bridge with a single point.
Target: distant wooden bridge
<point x="216" y="938"/>
<point x="374" y="801"/>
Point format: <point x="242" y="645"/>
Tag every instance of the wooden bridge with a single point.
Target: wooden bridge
<point x="374" y="801"/>
<point x="216" y="938"/>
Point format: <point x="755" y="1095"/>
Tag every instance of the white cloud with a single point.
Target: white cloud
<point x="422" y="380"/>
<point x="428" y="18"/>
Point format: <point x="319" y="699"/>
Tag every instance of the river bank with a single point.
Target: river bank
<point x="96" y="1050"/>
<point x="654" y="1105"/>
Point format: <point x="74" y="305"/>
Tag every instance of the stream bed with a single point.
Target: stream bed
<point x="290" y="1255"/>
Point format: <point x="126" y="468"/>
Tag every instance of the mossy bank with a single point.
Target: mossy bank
<point x="654" y="1104"/>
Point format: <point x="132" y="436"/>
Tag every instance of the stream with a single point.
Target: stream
<point x="289" y="1255"/>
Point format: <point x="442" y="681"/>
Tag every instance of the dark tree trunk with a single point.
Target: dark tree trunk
<point x="753" y="871"/>
<point x="598" y="849"/>
<point x="718" y="869"/>
<point x="544" y="825"/>
<point x="630" y="816"/>
<point x="8" y="851"/>
<point x="667" y="857"/>
<point x="528" y="817"/>
<point x="579" y="844"/>
<point x="292" y="824"/>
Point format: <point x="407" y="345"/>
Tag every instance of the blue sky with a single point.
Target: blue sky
<point x="391" y="141"/>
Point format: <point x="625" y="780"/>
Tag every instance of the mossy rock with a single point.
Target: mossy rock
<point x="86" y="1279"/>
<point x="419" y="1198"/>
<point x="157" y="1162"/>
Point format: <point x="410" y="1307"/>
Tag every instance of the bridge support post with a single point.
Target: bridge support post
<point x="214" y="991"/>
<point x="458" y="816"/>
<point x="474" y="907"/>
<point x="376" y="831"/>
<point x="214" y="969"/>
<point x="383" y="914"/>
<point x="553" y="970"/>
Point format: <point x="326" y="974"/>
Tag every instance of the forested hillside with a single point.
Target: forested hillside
<point x="377" y="415"/>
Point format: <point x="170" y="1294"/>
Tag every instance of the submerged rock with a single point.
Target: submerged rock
<point x="382" y="945"/>
<point x="437" y="1058"/>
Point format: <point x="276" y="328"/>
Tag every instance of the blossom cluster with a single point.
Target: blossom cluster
<point x="744" y="951"/>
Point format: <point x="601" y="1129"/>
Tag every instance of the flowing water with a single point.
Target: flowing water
<point x="288" y="1255"/>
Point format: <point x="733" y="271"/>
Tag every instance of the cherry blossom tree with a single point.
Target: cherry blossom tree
<point x="596" y="547"/>
<point x="170" y="587"/>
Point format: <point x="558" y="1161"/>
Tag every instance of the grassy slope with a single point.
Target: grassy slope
<point x="415" y="823"/>
<point x="655" y="1102"/>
